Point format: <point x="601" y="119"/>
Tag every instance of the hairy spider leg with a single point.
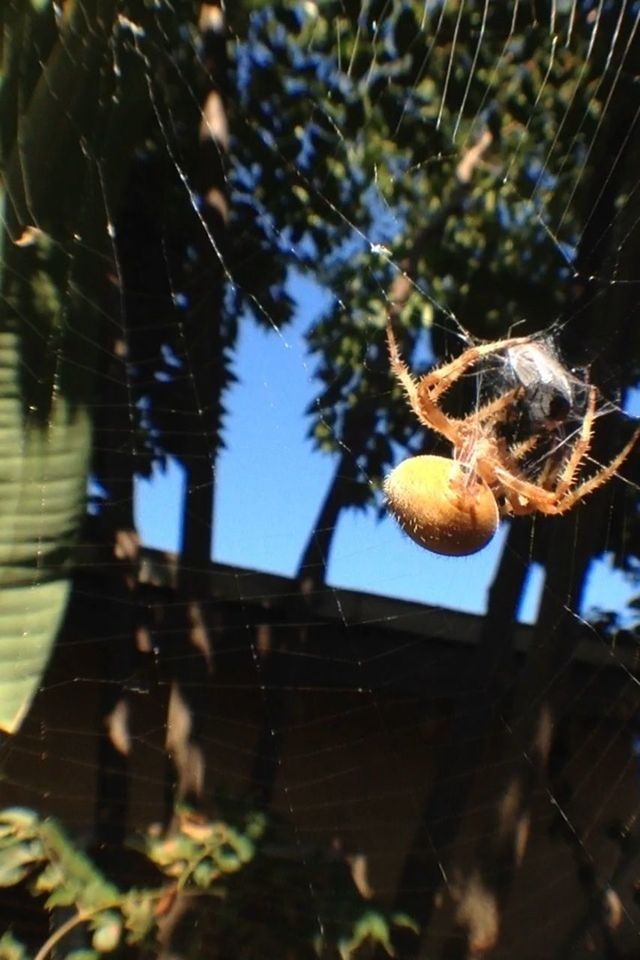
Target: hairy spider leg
<point x="425" y="410"/>
<point x="442" y="378"/>
<point x="424" y="393"/>
<point x="513" y="455"/>
<point x="599" y="478"/>
<point x="491" y="408"/>
<point x="521" y="449"/>
<point x="560" y="473"/>
<point x="580" y="448"/>
<point x="547" y="501"/>
<point x="474" y="437"/>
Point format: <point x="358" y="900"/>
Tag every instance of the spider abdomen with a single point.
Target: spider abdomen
<point x="441" y="506"/>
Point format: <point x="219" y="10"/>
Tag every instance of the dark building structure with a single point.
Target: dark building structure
<point x="336" y="713"/>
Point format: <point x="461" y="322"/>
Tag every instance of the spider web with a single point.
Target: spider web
<point x="454" y="739"/>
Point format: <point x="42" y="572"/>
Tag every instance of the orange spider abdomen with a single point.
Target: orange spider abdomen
<point x="440" y="506"/>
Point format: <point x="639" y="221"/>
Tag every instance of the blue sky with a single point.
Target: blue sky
<point x="270" y="483"/>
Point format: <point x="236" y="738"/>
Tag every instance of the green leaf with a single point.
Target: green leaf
<point x="374" y="926"/>
<point x="404" y="920"/>
<point x="46" y="369"/>
<point x="13" y="819"/>
<point x="107" y="931"/>
<point x="138" y="910"/>
<point x="17" y="861"/>
<point x="29" y="621"/>
<point x="11" y="949"/>
<point x="64" y="895"/>
<point x="205" y="873"/>
<point x="227" y="861"/>
<point x="242" y="846"/>
<point x="48" y="879"/>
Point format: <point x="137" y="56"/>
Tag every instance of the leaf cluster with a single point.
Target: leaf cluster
<point x="297" y="901"/>
<point x="38" y="851"/>
<point x="196" y="856"/>
<point x="266" y="897"/>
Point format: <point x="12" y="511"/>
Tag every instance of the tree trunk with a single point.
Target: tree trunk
<point x="205" y="361"/>
<point x="203" y="340"/>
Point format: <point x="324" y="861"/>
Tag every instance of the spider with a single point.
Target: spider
<point x="453" y="506"/>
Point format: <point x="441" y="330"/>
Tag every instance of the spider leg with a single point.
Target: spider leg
<point x="425" y="410"/>
<point x="520" y="450"/>
<point x="424" y="393"/>
<point x="493" y="407"/>
<point x="525" y="497"/>
<point x="522" y="496"/>
<point x="573" y="496"/>
<point x="439" y="380"/>
<point x="580" y="448"/>
<point x="477" y="439"/>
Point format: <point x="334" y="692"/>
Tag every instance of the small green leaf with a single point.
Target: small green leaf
<point x="17" y="818"/>
<point x="64" y="895"/>
<point x="11" y="876"/>
<point x="372" y="926"/>
<point x="205" y="873"/>
<point x="243" y="847"/>
<point x="138" y="910"/>
<point x="256" y="826"/>
<point x="108" y="931"/>
<point x="404" y="920"/>
<point x="16" y="861"/>
<point x="11" y="949"/>
<point x="227" y="861"/>
<point x="48" y="879"/>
